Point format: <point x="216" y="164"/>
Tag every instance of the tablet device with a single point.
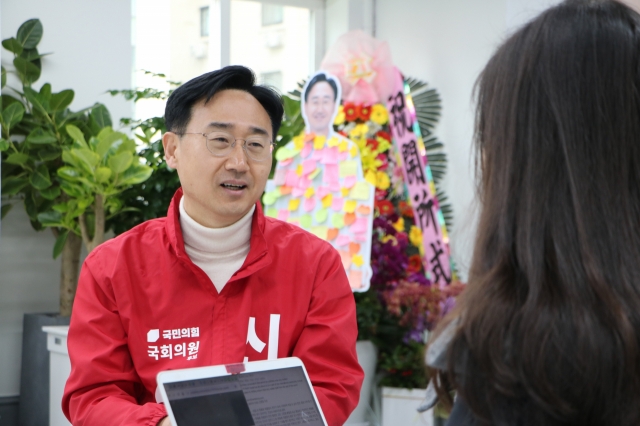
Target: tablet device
<point x="259" y="393"/>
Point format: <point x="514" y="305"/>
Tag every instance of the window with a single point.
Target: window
<point x="204" y="21"/>
<point x="272" y="14"/>
<point x="273" y="79"/>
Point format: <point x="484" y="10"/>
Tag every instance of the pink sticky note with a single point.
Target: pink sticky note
<point x="283" y="214"/>
<point x="279" y="178"/>
<point x="349" y="181"/>
<point x="344" y="156"/>
<point x="292" y="178"/>
<point x="309" y="204"/>
<point x="317" y="155"/>
<point x="334" y="186"/>
<point x="346" y="258"/>
<point x="308" y="148"/>
<point x="330" y="156"/>
<point x="285" y="162"/>
<point x="359" y="226"/>
<point x="361" y="238"/>
<point x="304" y="182"/>
<point x="297" y="192"/>
<point x="343" y="240"/>
<point x="322" y="191"/>
<point x="337" y="203"/>
<point x="331" y="173"/>
<point x="308" y="166"/>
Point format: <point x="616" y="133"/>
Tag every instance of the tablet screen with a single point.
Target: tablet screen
<point x="262" y="398"/>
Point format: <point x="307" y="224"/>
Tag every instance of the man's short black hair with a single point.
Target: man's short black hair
<point x="320" y="77"/>
<point x="177" y="113"/>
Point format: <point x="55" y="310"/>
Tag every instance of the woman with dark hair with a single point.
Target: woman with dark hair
<point x="548" y="330"/>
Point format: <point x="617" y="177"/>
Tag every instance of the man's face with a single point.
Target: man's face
<point x="218" y="191"/>
<point x="319" y="108"/>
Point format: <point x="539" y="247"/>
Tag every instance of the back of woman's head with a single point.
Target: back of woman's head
<point x="550" y="329"/>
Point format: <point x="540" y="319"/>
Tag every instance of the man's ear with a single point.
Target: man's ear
<point x="171" y="145"/>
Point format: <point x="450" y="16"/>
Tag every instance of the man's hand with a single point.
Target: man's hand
<point x="165" y="422"/>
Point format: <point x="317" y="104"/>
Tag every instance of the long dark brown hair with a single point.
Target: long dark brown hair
<point x="549" y="326"/>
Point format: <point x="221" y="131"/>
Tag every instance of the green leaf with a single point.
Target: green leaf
<point x="68" y="173"/>
<point x="50" y="218"/>
<point x="13" y="185"/>
<point x="50" y="193"/>
<point x="120" y="162"/>
<point x="60" y="243"/>
<point x="34" y="56"/>
<point x="103" y="174"/>
<point x="45" y="91"/>
<point x="136" y="174"/>
<point x="12" y="45"/>
<point x="5" y="209"/>
<point x="12" y="115"/>
<point x="30" y="33"/>
<point x="60" y="207"/>
<point x="71" y="189"/>
<point x="27" y="70"/>
<point x="3" y="78"/>
<point x="107" y="141"/>
<point x="76" y="134"/>
<point x="291" y="107"/>
<point x="100" y="115"/>
<point x="88" y="157"/>
<point x="36" y="100"/>
<point x="49" y="154"/>
<point x="4" y="145"/>
<point x="39" y="136"/>
<point x="40" y="178"/>
<point x="61" y="100"/>
<point x="17" y="158"/>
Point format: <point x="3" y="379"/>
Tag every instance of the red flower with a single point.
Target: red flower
<point x="343" y="133"/>
<point x="384" y="135"/>
<point x="385" y="207"/>
<point x="350" y="111"/>
<point x="405" y="209"/>
<point x="385" y="162"/>
<point x="364" y="112"/>
<point x="415" y="264"/>
<point x="381" y="194"/>
<point x="373" y="144"/>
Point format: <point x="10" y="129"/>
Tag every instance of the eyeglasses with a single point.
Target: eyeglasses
<point x="220" y="144"/>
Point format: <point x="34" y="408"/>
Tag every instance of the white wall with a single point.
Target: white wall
<point x="90" y="42"/>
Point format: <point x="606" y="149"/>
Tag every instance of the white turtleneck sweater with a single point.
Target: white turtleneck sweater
<point x="219" y="252"/>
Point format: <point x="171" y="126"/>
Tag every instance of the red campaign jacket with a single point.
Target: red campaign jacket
<point x="142" y="307"/>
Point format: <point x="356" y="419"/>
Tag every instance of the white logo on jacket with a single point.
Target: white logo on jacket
<point x="274" y="334"/>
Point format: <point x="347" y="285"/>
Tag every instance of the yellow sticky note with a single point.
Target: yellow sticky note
<point x="294" y="203"/>
<point x="334" y="141"/>
<point x="320" y="231"/>
<point x="371" y="177"/>
<point x="309" y="192"/>
<point x="360" y="191"/>
<point x="327" y="201"/>
<point x="353" y="151"/>
<point x="284" y="153"/>
<point x="343" y="146"/>
<point x="350" y="206"/>
<point x="357" y="260"/>
<point x="314" y="173"/>
<point x="298" y="143"/>
<point x="318" y="142"/>
<point x="344" y="191"/>
<point x="348" y="168"/>
<point x="299" y="170"/>
<point x="321" y="216"/>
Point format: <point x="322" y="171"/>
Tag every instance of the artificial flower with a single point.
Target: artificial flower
<point x="415" y="263"/>
<point x="340" y="116"/>
<point x="350" y="111"/>
<point x="405" y="209"/>
<point x="379" y="114"/>
<point x="382" y="180"/>
<point x="399" y="225"/>
<point x="373" y="144"/>
<point x="364" y="112"/>
<point x="384" y="135"/>
<point x="359" y="131"/>
<point x="415" y="236"/>
<point x="385" y="207"/>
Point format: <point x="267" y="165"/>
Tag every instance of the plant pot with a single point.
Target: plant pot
<point x="399" y="407"/>
<point x="367" y="357"/>
<point x="60" y="368"/>
<point x="34" y="376"/>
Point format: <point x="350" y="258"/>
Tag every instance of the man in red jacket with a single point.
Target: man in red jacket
<point x="215" y="282"/>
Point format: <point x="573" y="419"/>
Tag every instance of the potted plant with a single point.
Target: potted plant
<point x="67" y="168"/>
